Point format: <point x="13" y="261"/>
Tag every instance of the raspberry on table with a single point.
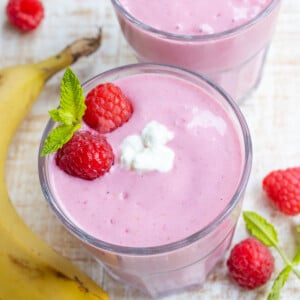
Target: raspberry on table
<point x="107" y="108"/>
<point x="26" y="15"/>
<point x="86" y="155"/>
<point x="250" y="263"/>
<point x="283" y="190"/>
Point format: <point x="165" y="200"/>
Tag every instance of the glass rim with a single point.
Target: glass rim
<point x="199" y="37"/>
<point x="160" y="249"/>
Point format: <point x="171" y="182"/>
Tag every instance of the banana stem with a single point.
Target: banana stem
<point x="79" y="48"/>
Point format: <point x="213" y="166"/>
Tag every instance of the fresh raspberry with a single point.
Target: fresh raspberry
<point x="250" y="263"/>
<point x="86" y="155"/>
<point x="283" y="189"/>
<point x="26" y="15"/>
<point x="107" y="108"/>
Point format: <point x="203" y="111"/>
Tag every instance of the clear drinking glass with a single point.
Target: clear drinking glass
<point x="181" y="265"/>
<point x="234" y="59"/>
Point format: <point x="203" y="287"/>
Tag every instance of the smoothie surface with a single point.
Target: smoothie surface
<point x="192" y="17"/>
<point x="141" y="209"/>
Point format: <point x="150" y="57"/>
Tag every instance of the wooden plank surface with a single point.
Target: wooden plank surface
<point x="273" y="114"/>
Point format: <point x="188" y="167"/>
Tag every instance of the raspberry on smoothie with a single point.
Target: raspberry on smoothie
<point x="107" y="108"/>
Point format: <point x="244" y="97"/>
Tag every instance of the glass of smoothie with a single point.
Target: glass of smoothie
<point x="162" y="227"/>
<point x="226" y="40"/>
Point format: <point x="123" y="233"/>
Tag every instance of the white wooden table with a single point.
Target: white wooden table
<point x="273" y="114"/>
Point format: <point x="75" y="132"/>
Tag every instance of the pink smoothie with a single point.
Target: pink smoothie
<point x="226" y="40"/>
<point x="194" y="17"/>
<point x="141" y="209"/>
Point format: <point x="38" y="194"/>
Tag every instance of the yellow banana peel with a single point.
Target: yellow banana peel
<point x="30" y="268"/>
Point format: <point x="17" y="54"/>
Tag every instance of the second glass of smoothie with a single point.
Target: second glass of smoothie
<point x="226" y="40"/>
<point x="160" y="230"/>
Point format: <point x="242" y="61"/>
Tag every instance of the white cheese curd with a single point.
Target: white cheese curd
<point x="148" y="152"/>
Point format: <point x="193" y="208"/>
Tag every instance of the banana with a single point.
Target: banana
<point x="31" y="269"/>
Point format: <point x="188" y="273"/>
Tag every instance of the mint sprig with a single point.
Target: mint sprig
<point x="69" y="113"/>
<point x="279" y="283"/>
<point x="264" y="231"/>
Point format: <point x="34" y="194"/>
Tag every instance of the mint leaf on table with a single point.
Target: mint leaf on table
<point x="261" y="228"/>
<point x="279" y="283"/>
<point x="69" y="113"/>
<point x="296" y="259"/>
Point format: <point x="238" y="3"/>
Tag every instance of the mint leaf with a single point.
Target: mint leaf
<point x="298" y="228"/>
<point x="55" y="116"/>
<point x="261" y="229"/>
<point x="58" y="137"/>
<point x="71" y="97"/>
<point x="279" y="283"/>
<point x="60" y="116"/>
<point x="296" y="259"/>
<point x="68" y="115"/>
